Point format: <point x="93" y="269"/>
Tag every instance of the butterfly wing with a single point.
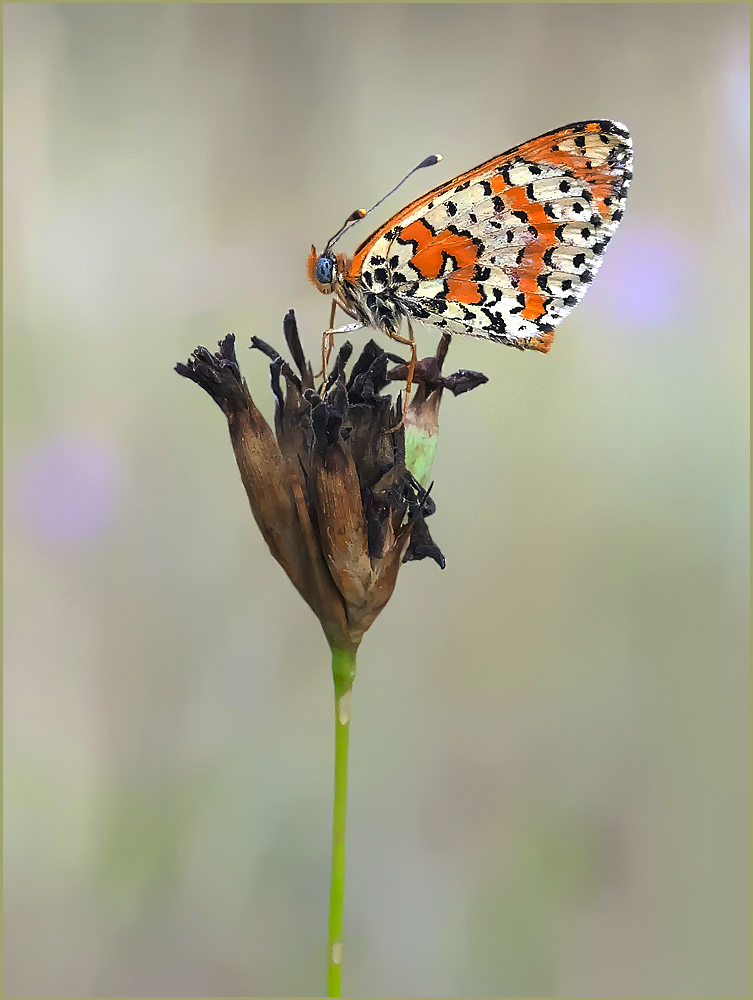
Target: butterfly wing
<point x="506" y="250"/>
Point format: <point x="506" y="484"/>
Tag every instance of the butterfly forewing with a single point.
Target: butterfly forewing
<point x="505" y="251"/>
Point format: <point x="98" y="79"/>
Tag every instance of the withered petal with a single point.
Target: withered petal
<point x="463" y="381"/>
<point x="261" y="345"/>
<point x="293" y="340"/>
<point x="342" y="527"/>
<point x="422" y="545"/>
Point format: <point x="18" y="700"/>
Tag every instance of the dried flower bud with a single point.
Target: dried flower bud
<point x="339" y="491"/>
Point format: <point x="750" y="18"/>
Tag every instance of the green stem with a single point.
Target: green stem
<point x="343" y="672"/>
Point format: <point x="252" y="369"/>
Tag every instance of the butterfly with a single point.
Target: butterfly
<point x="503" y="252"/>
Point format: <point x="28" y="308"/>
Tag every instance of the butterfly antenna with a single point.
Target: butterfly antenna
<point x="361" y="213"/>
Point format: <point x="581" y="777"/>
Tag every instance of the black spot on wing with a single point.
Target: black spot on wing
<point x="497" y="327"/>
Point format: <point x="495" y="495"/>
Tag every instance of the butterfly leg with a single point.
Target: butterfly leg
<point x="409" y="380"/>
<point x="327" y="350"/>
<point x="409" y="342"/>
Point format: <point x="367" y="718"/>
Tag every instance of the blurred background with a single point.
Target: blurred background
<point x="549" y="787"/>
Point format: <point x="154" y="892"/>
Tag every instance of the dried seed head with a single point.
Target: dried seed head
<point x="340" y="490"/>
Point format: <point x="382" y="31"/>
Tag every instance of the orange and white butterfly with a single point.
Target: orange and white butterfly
<point x="504" y="251"/>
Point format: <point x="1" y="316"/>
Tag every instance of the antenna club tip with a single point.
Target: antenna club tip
<point x="438" y="157"/>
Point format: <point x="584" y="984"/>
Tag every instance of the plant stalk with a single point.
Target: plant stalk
<point x="343" y="672"/>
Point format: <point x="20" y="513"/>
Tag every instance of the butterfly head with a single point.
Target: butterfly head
<point x="323" y="270"/>
<point x="326" y="270"/>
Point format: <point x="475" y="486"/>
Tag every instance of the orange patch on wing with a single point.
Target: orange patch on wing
<point x="532" y="264"/>
<point x="417" y="231"/>
<point x="462" y="288"/>
<point x="542" y="343"/>
<point x="498" y="184"/>
<point x="429" y="258"/>
<point x="534" y="306"/>
<point x="517" y="201"/>
<point x="527" y="282"/>
<point x="600" y="188"/>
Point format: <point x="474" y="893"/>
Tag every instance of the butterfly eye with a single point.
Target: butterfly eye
<point x="324" y="270"/>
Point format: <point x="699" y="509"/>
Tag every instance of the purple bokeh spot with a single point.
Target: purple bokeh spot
<point x="68" y="487"/>
<point x="647" y="281"/>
